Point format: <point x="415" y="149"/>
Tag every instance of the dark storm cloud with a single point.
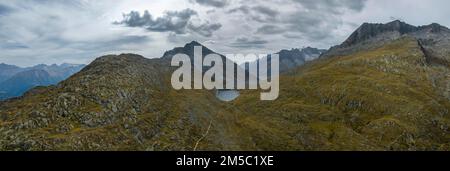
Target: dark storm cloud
<point x="211" y="3"/>
<point x="178" y="22"/>
<point x="245" y="42"/>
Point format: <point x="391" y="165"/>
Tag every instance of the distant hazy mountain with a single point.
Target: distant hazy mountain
<point x="290" y="59"/>
<point x="15" y="80"/>
<point x="7" y="71"/>
<point x="296" y="57"/>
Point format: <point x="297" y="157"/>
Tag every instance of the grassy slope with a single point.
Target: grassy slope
<point x="383" y="99"/>
<point x="122" y="107"/>
<point x="386" y="99"/>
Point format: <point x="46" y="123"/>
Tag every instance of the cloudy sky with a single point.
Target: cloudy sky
<point x="78" y="31"/>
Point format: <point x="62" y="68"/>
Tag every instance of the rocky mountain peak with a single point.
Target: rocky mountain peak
<point x="434" y="28"/>
<point x="192" y="44"/>
<point x="434" y="38"/>
<point x="187" y="49"/>
<point x="370" y="30"/>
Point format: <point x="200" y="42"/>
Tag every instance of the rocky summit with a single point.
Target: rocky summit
<point x="434" y="38"/>
<point x="385" y="88"/>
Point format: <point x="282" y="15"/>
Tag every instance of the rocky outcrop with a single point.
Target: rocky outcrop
<point x="434" y="38"/>
<point x="368" y="31"/>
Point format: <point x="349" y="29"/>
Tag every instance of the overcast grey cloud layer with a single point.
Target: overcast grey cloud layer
<point x="77" y="31"/>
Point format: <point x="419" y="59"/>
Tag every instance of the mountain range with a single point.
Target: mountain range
<point x="293" y="58"/>
<point x="434" y="38"/>
<point x="387" y="87"/>
<point x="14" y="80"/>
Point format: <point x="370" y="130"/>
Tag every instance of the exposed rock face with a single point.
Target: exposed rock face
<point x="290" y="59"/>
<point x="434" y="38"/>
<point x="369" y="31"/>
<point x="188" y="49"/>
